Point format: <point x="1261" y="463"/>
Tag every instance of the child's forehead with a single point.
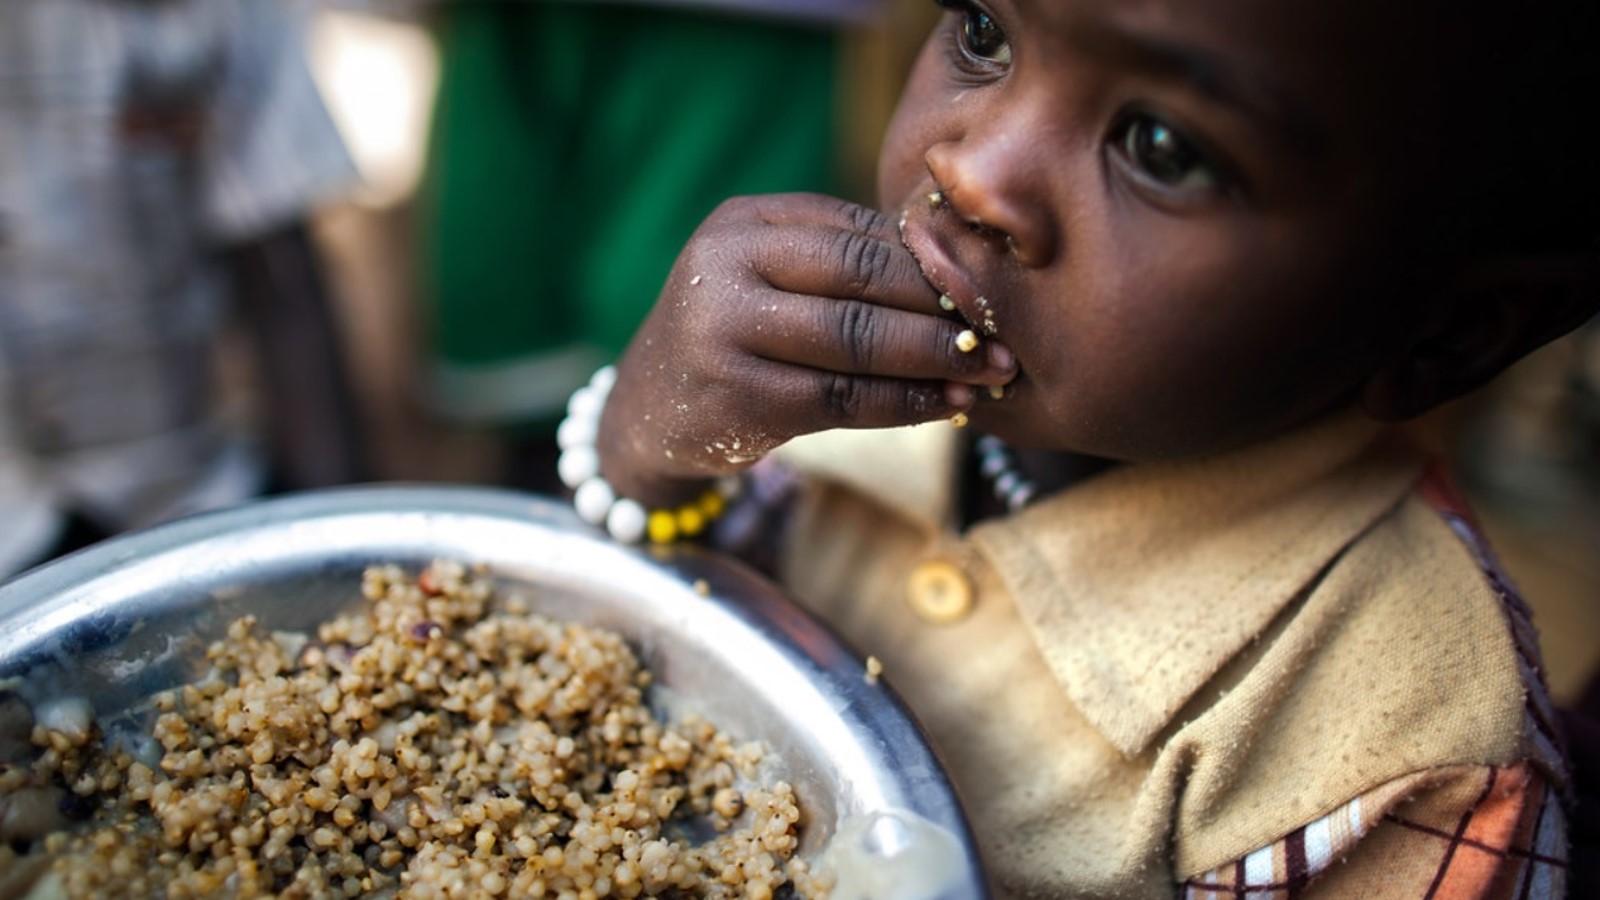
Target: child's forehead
<point x="1333" y="60"/>
<point x="1293" y="40"/>
<point x="1318" y="22"/>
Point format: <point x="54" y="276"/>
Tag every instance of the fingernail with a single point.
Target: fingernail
<point x="959" y="395"/>
<point x="1001" y="357"/>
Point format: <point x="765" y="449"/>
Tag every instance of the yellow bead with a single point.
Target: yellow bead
<point x="712" y="504"/>
<point x="691" y="521"/>
<point x="662" y="527"/>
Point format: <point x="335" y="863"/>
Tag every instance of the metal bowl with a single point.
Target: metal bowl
<point x="132" y="616"/>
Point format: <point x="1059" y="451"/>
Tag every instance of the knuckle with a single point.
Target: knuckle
<point x="841" y="397"/>
<point x="697" y="253"/>
<point x="863" y="260"/>
<point x="861" y="218"/>
<point x="859" y="327"/>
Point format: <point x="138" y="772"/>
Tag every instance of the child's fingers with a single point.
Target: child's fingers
<point x="860" y="338"/>
<point x="817" y="209"/>
<point x="824" y="400"/>
<point x="830" y="262"/>
<point x="814" y="244"/>
<point x="802" y="401"/>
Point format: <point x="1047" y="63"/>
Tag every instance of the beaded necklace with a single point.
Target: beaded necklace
<point x="998" y="465"/>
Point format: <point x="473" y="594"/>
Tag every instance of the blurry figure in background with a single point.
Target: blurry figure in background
<point x="1532" y="445"/>
<point x="575" y="148"/>
<point x="157" y="162"/>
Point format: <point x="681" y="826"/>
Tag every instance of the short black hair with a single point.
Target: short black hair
<point x="1523" y="134"/>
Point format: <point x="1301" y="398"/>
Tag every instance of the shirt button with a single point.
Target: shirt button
<point x="939" y="592"/>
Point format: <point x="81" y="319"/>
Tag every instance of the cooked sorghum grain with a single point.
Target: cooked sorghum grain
<point x="431" y="744"/>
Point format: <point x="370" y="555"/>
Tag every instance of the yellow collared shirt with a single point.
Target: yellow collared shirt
<point x="1200" y="677"/>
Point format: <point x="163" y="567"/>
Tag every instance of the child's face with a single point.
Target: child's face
<point x="1181" y="215"/>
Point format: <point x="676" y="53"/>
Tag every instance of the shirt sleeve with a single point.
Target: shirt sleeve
<point x="271" y="149"/>
<point x="1461" y="833"/>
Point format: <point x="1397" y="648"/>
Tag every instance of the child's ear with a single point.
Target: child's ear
<point x="1495" y="312"/>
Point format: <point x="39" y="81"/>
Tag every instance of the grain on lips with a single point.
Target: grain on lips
<point x="437" y="742"/>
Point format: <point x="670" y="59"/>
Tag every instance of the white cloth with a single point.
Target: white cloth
<point x="136" y="140"/>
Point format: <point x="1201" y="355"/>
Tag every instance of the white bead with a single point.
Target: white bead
<point x="1019" y="497"/>
<point x="730" y="486"/>
<point x="577" y="465"/>
<point x="577" y="431"/>
<point x="995" y="462"/>
<point x="626" y="521"/>
<point x="593" y="500"/>
<point x="586" y="403"/>
<point x="603" y="379"/>
<point x="992" y="464"/>
<point x="1006" y="482"/>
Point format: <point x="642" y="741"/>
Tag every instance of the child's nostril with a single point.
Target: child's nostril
<point x="991" y="233"/>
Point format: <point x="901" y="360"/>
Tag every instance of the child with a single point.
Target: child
<point x="1188" y="617"/>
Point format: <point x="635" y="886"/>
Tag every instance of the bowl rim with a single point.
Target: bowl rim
<point x="898" y="755"/>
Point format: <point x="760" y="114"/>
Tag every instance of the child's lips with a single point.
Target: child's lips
<point x="939" y="266"/>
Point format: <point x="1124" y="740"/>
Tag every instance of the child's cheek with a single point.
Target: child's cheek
<point x="921" y="120"/>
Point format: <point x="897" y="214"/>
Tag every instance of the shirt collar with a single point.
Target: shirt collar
<point x="1140" y="584"/>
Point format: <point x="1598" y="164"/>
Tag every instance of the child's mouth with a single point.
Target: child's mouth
<point x="958" y="291"/>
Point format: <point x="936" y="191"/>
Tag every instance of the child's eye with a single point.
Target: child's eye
<point x="1160" y="154"/>
<point x="980" y="35"/>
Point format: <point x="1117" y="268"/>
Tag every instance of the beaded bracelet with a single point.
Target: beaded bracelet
<point x="597" y="502"/>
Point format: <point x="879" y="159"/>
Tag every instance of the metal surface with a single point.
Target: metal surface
<point x="133" y="615"/>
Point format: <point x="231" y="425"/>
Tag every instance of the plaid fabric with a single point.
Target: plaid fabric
<point x="1509" y="840"/>
<point x="136" y="140"/>
<point x="1510" y="843"/>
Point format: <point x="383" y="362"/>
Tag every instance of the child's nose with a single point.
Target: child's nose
<point x="992" y="186"/>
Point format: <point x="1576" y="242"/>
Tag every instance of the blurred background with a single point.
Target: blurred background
<point x="473" y="216"/>
<point x="470" y="204"/>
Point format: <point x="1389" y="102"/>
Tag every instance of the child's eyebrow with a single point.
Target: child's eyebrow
<point x="1250" y="92"/>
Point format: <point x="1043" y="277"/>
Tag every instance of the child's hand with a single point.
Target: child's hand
<point x="784" y="315"/>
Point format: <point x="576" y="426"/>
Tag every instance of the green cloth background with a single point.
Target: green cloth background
<point x="574" y="149"/>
